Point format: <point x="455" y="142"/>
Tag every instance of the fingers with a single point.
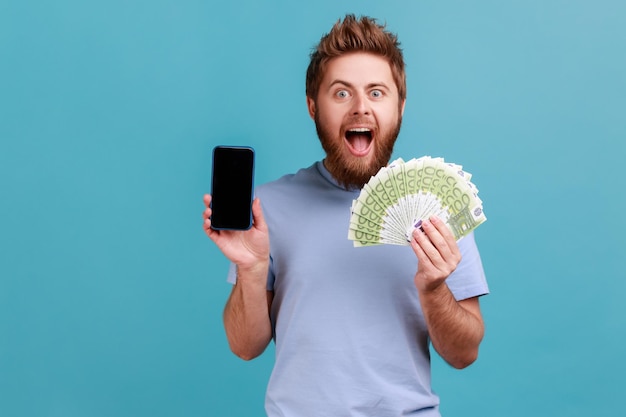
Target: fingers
<point x="442" y="239"/>
<point x="206" y="224"/>
<point x="417" y="246"/>
<point x="436" y="244"/>
<point x="423" y="247"/>
<point x="206" y="215"/>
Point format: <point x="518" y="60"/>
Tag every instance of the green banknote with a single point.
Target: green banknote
<point x="369" y="216"/>
<point x="381" y="189"/>
<point x="401" y="195"/>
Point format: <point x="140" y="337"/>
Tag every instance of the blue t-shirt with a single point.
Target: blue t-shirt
<point x="349" y="330"/>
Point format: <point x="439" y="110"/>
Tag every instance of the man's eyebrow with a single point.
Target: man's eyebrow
<point x="342" y="82"/>
<point x="377" y="84"/>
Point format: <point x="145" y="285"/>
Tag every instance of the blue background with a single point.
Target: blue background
<point x="110" y="293"/>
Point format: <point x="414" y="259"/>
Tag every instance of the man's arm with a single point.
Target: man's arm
<point x="246" y="315"/>
<point x="456" y="328"/>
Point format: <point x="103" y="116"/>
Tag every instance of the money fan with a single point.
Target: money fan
<point x="401" y="195"/>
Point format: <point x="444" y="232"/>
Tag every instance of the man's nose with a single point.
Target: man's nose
<point x="360" y="104"/>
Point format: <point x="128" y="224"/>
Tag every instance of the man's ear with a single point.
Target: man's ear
<point x="310" y="104"/>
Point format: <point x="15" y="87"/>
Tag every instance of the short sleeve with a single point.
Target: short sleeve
<point x="232" y="275"/>
<point x="468" y="280"/>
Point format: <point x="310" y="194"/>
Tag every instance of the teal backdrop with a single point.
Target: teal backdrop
<point x="110" y="293"/>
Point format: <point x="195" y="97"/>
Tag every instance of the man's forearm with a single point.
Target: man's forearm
<point x="456" y="327"/>
<point x="246" y="315"/>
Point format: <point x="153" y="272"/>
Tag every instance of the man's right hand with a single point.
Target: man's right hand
<point x="246" y="315"/>
<point x="248" y="249"/>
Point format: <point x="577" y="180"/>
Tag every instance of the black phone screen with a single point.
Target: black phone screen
<point x="232" y="187"/>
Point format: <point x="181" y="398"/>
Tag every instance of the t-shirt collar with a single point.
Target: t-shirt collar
<point x="321" y="168"/>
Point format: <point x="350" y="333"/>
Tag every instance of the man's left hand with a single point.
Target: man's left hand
<point x="437" y="253"/>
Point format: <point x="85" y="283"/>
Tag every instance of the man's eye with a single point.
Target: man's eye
<point x="342" y="94"/>
<point x="376" y="93"/>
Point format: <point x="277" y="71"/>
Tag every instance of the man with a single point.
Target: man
<point x="352" y="326"/>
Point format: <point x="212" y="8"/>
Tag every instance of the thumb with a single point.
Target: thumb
<point x="257" y="215"/>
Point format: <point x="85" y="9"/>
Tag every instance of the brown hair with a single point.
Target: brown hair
<point x="356" y="35"/>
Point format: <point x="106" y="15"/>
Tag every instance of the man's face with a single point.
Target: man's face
<point x="357" y="114"/>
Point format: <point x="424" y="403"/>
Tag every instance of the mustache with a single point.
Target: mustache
<point x="359" y="120"/>
<point x="352" y="174"/>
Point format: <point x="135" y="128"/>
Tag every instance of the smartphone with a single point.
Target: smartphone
<point x="232" y="186"/>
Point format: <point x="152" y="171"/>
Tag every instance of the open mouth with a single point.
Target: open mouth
<point x="359" y="140"/>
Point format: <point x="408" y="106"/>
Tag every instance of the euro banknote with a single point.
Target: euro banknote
<point x="402" y="195"/>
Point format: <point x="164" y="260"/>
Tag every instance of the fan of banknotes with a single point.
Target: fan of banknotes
<point x="402" y="195"/>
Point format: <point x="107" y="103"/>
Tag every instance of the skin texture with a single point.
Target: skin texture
<point x="357" y="93"/>
<point x="456" y="328"/>
<point x="246" y="315"/>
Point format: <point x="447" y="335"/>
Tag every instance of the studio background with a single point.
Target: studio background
<point x="110" y="293"/>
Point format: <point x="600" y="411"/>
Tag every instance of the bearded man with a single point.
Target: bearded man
<point x="352" y="327"/>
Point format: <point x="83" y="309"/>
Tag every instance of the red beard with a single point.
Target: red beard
<point x="354" y="172"/>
